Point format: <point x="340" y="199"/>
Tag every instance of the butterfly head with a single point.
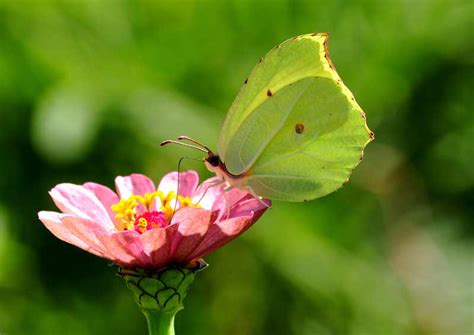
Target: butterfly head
<point x="213" y="163"/>
<point x="213" y="160"/>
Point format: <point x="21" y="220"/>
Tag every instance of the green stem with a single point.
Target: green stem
<point x="159" y="323"/>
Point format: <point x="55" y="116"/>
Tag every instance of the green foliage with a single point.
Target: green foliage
<point x="89" y="89"/>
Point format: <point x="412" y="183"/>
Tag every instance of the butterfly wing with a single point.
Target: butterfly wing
<point x="294" y="129"/>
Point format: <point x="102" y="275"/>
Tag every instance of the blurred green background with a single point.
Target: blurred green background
<point x="88" y="89"/>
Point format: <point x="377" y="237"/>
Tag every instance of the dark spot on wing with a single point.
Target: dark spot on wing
<point x="372" y="135"/>
<point x="314" y="34"/>
<point x="269" y="93"/>
<point x="246" y="80"/>
<point x="261" y="59"/>
<point x="299" y="128"/>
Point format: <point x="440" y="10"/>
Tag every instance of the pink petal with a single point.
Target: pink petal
<point x="188" y="182"/>
<point x="77" y="200"/>
<point x="126" y="248"/>
<point x="87" y="231"/>
<point x="248" y="205"/>
<point x="221" y="233"/>
<point x="157" y="245"/>
<point x="52" y="221"/>
<point x="137" y="184"/>
<point x="105" y="195"/>
<point x="193" y="224"/>
<point x="235" y="195"/>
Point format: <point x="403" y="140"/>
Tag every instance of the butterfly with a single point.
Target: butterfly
<point x="294" y="132"/>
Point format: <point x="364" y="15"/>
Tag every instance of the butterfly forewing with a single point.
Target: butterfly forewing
<point x="289" y="62"/>
<point x="294" y="131"/>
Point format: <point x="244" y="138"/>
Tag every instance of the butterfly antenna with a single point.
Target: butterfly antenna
<point x="187" y="138"/>
<point x="184" y="145"/>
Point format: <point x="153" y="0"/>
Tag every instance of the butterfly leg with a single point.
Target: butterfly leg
<point x="256" y="196"/>
<point x="208" y="185"/>
<point x="227" y="188"/>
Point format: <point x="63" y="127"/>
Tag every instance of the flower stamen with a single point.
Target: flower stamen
<point x="152" y="210"/>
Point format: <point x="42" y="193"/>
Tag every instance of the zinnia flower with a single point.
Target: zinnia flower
<point x="145" y="227"/>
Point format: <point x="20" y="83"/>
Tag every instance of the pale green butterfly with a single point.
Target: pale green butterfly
<point x="295" y="131"/>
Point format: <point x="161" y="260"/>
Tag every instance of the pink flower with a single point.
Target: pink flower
<point x="147" y="227"/>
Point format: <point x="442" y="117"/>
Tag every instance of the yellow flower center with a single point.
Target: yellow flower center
<point x="133" y="213"/>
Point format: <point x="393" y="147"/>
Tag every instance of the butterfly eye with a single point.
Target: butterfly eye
<point x="214" y="160"/>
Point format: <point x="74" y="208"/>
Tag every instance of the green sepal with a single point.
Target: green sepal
<point x="163" y="290"/>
